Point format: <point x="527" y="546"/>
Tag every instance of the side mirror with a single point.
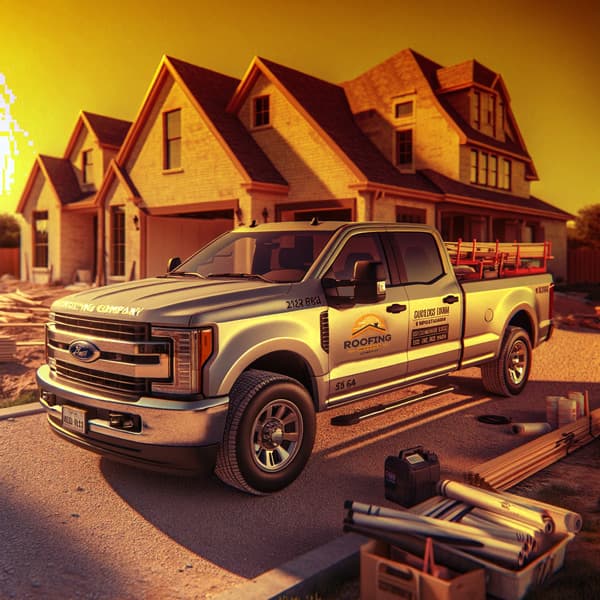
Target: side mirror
<point x="369" y="282"/>
<point x="173" y="263"/>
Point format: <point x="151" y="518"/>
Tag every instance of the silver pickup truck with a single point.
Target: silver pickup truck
<point x="224" y="360"/>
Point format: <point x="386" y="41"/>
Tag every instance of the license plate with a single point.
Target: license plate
<point x="73" y="419"/>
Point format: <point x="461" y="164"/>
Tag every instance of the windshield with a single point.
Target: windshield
<point x="277" y="256"/>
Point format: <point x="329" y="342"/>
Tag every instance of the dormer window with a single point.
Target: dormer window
<point x="262" y="111"/>
<point x="476" y="110"/>
<point x="87" y="166"/>
<point x="172" y="139"/>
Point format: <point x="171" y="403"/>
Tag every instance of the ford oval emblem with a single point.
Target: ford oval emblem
<point x="84" y="351"/>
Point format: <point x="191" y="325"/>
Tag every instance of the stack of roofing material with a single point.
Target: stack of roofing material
<point x="505" y="471"/>
<point x="8" y="348"/>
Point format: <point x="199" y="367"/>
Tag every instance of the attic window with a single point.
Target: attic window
<point x="87" y="166"/>
<point x="403" y="110"/>
<point x="262" y="115"/>
<point x="172" y="139"/>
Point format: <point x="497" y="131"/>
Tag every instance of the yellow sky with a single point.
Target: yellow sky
<point x="59" y="57"/>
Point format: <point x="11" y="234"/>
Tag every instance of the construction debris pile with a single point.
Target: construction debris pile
<point x="505" y="529"/>
<point x="509" y="469"/>
<point x="22" y="307"/>
<point x="476" y="525"/>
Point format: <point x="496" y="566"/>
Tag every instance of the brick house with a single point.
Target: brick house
<point x="58" y="203"/>
<point x="409" y="140"/>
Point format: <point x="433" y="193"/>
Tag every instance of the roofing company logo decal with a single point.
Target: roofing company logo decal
<point x="369" y="334"/>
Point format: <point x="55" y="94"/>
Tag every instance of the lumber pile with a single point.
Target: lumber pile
<point x="505" y="471"/>
<point x="8" y="348"/>
<point x="20" y="307"/>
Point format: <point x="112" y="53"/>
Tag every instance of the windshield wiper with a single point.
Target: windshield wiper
<point x="241" y="276"/>
<point x="184" y="274"/>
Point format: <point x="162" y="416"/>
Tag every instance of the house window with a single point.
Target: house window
<point x="117" y="228"/>
<point x="172" y="139"/>
<point x="491" y="110"/>
<point x="474" y="165"/>
<point x="87" y="167"/>
<point x="407" y="214"/>
<point x="502" y="114"/>
<point x="506" y="175"/>
<point x="262" y="114"/>
<point x="403" y="110"/>
<point x="404" y="148"/>
<point x="476" y="109"/>
<point x="483" y="168"/>
<point x="493" y="171"/>
<point x="40" y="239"/>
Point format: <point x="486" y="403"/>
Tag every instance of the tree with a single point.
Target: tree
<point x="587" y="226"/>
<point x="10" y="232"/>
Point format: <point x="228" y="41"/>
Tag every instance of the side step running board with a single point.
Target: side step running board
<point x="367" y="413"/>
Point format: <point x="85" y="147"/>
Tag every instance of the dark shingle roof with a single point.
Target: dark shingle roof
<point x="62" y="178"/>
<point x="108" y="130"/>
<point x="213" y="91"/>
<point x="457" y="188"/>
<point x="328" y="106"/>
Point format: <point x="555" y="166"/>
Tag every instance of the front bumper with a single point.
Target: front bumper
<point x="172" y="436"/>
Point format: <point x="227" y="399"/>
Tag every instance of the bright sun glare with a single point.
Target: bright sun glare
<point x="10" y="136"/>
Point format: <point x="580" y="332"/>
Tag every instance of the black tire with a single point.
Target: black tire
<point x="269" y="433"/>
<point x="509" y="373"/>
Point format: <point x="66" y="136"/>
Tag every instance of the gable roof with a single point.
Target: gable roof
<point x="453" y="190"/>
<point x="380" y="80"/>
<point x="60" y="175"/>
<point x="326" y="107"/>
<point x="108" y="131"/>
<point x="209" y="92"/>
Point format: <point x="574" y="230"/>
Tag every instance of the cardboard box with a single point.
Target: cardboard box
<point x="388" y="573"/>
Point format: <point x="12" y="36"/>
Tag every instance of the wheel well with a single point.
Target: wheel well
<point x="522" y="319"/>
<point x="287" y="363"/>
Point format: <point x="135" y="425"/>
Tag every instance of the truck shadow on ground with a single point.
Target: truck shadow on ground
<point x="248" y="535"/>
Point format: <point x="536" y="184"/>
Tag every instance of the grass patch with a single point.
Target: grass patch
<point x="25" y="397"/>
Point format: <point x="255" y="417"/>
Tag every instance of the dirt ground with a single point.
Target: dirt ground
<point x="573" y="483"/>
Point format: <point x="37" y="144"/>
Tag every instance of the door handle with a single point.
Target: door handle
<point x="450" y="299"/>
<point x="396" y="308"/>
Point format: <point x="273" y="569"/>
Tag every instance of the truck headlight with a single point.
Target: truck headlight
<point x="191" y="348"/>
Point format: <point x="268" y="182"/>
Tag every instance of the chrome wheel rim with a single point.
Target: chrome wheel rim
<point x="517" y="362"/>
<point x="276" y="435"/>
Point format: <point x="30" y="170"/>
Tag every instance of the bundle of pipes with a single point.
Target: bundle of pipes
<point x="493" y="542"/>
<point x="505" y="471"/>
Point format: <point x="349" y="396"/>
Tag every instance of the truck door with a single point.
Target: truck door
<point x="367" y="342"/>
<point x="435" y="310"/>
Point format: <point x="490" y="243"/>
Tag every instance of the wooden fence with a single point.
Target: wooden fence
<point x="9" y="262"/>
<point x="583" y="265"/>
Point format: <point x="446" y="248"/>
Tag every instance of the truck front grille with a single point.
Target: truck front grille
<point x="107" y="328"/>
<point x="102" y="380"/>
<point x="127" y="358"/>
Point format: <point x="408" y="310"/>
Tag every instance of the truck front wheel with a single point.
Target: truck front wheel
<point x="508" y="374"/>
<point x="269" y="433"/>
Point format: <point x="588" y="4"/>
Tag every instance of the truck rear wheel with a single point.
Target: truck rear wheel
<point x="509" y="373"/>
<point x="269" y="433"/>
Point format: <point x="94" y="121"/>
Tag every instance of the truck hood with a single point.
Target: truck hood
<point x="180" y="301"/>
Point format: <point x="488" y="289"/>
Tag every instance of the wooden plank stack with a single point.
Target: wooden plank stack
<point x="8" y="348"/>
<point x="505" y="471"/>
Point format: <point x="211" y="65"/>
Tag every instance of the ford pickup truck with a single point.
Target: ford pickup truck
<point x="224" y="361"/>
